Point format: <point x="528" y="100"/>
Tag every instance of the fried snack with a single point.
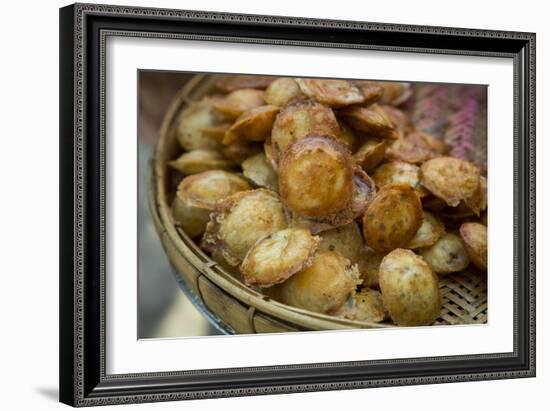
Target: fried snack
<point x="276" y="257"/>
<point x="369" y="265"/>
<point x="282" y="91"/>
<point x="410" y="289"/>
<point x="197" y="161"/>
<point x="371" y="121"/>
<point x="231" y="83"/>
<point x="316" y="177"/>
<point x="238" y="152"/>
<point x="416" y="148"/>
<point x="450" y="179"/>
<point x="260" y="171"/>
<point x="370" y="154"/>
<point x="395" y="93"/>
<point x="198" y="194"/>
<point x="237" y="102"/>
<point x="474" y="236"/>
<point x="348" y="136"/>
<point x="433" y="203"/>
<point x="322" y="287"/>
<point x="301" y="119"/>
<point x="253" y="125"/>
<point x="192" y="123"/>
<point x="333" y="93"/>
<point x="478" y="201"/>
<point x="242" y="219"/>
<point x="447" y="255"/>
<point x="398" y="118"/>
<point x="371" y="90"/>
<point x="430" y="231"/>
<point x="399" y="172"/>
<point x="346" y="240"/>
<point x="366" y="306"/>
<point x="392" y="218"/>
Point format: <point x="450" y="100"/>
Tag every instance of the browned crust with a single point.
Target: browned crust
<point x="399" y="172"/>
<point x="308" y="172"/>
<point x="333" y="93"/>
<point x="298" y="248"/>
<point x="252" y="125"/>
<point x="231" y="83"/>
<point x="474" y="236"/>
<point x="370" y="154"/>
<point x="416" y="148"/>
<point x="392" y="218"/>
<point x="369" y="120"/>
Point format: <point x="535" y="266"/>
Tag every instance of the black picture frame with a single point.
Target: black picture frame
<point x="83" y="28"/>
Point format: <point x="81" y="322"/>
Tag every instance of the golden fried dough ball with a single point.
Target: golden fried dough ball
<point x="229" y="83"/>
<point x="192" y="123"/>
<point x="197" y="161"/>
<point x="237" y="102"/>
<point x="366" y="306"/>
<point x="399" y="172"/>
<point x="416" y="148"/>
<point x="474" y="236"/>
<point x="346" y="240"/>
<point x="282" y="91"/>
<point x="316" y="177"/>
<point x="430" y="231"/>
<point x="450" y="179"/>
<point x="322" y="287"/>
<point x="242" y="219"/>
<point x="410" y="290"/>
<point x="392" y="218"/>
<point x="276" y="257"/>
<point x="301" y="119"/>
<point x="371" y="90"/>
<point x="333" y="93"/>
<point x="369" y="266"/>
<point x="370" y="154"/>
<point x="369" y="120"/>
<point x="198" y="194"/>
<point x="478" y="201"/>
<point x="447" y="255"/>
<point x="240" y="151"/>
<point x="398" y="118"/>
<point x="260" y="171"/>
<point x="253" y="125"/>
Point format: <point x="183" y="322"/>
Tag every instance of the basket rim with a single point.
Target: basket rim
<point x="201" y="262"/>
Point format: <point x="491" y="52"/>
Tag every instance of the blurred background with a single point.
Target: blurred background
<point x="163" y="309"/>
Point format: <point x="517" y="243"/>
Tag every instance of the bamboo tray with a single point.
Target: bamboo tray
<point x="233" y="305"/>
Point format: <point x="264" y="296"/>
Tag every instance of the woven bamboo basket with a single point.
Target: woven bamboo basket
<point x="227" y="301"/>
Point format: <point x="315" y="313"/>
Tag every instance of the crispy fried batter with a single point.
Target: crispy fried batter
<point x="333" y="93"/>
<point x="276" y="257"/>
<point x="371" y="121"/>
<point x="369" y="265"/>
<point x="322" y="287"/>
<point x="346" y="240"/>
<point x="371" y="91"/>
<point x="240" y="220"/>
<point x="370" y="154"/>
<point x="198" y="194"/>
<point x="239" y="101"/>
<point x="366" y="306"/>
<point x="192" y="123"/>
<point x="416" y="148"/>
<point x="410" y="290"/>
<point x="316" y="177"/>
<point x="474" y="236"/>
<point x="282" y="91"/>
<point x="399" y="172"/>
<point x="197" y="161"/>
<point x="447" y="255"/>
<point x="392" y="218"/>
<point x="450" y="179"/>
<point x="240" y="151"/>
<point x="478" y="201"/>
<point x="430" y="231"/>
<point x="253" y="125"/>
<point x="260" y="171"/>
<point x="301" y="119"/>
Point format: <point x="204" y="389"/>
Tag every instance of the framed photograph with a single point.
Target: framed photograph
<point x="260" y="204"/>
